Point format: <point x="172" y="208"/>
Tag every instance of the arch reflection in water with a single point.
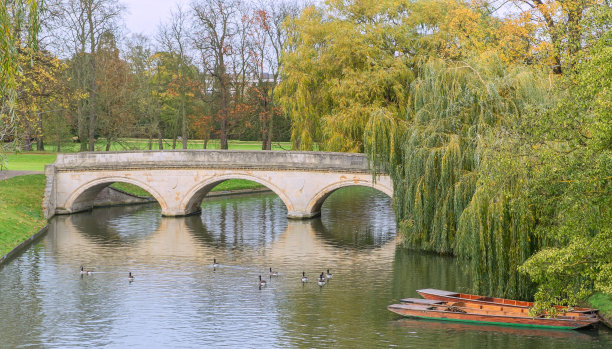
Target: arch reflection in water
<point x="357" y="217"/>
<point x="178" y="299"/>
<point x="117" y="225"/>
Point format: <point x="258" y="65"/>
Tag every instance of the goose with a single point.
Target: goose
<point x="304" y="278"/>
<point x="273" y="273"/>
<point x="215" y="264"/>
<point x="321" y="280"/>
<point x="329" y="275"/>
<point x="130" y="277"/>
<point x="261" y="282"/>
<point x="86" y="271"/>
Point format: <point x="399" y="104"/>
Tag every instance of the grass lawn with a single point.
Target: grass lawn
<point x="603" y="302"/>
<point x="143" y="144"/>
<point x="36" y="161"/>
<point x="231" y="184"/>
<point x="29" y="161"/>
<point x="20" y="204"/>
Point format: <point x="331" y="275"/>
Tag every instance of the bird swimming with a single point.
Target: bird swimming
<point x="85" y="271"/>
<point x="130" y="277"/>
<point x="321" y="280"/>
<point x="329" y="275"/>
<point x="262" y="282"/>
<point x="304" y="278"/>
<point x="215" y="264"/>
<point x="273" y="273"/>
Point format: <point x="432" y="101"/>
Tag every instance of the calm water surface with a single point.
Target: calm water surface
<point x="179" y="300"/>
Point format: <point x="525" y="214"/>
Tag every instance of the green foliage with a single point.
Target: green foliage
<point x="459" y="188"/>
<point x="574" y="185"/>
<point x="346" y="63"/>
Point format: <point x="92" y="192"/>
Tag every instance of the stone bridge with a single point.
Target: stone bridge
<point x="180" y="179"/>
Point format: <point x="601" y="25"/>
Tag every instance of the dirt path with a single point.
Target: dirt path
<point x="8" y="174"/>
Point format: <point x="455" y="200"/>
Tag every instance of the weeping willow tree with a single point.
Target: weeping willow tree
<point x="459" y="178"/>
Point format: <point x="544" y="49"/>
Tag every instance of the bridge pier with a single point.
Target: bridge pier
<point x="302" y="214"/>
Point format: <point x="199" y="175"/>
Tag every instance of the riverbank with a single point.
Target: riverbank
<point x="20" y="204"/>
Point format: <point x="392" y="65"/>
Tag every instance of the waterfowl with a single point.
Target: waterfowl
<point x="215" y="264"/>
<point x="273" y="273"/>
<point x="130" y="277"/>
<point x="304" y="278"/>
<point x="86" y="271"/>
<point x="329" y="275"/>
<point x="321" y="280"/>
<point x="261" y="282"/>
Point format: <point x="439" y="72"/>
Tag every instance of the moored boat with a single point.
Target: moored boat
<point x="494" y="302"/>
<point x="457" y="311"/>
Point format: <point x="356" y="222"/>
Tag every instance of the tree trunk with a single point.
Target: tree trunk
<point x="270" y="132"/>
<point x="205" y="143"/>
<point x="27" y="138"/>
<point x="184" y="123"/>
<point x="82" y="127"/>
<point x="92" y="66"/>
<point x="40" y="144"/>
<point x="174" y="142"/>
<point x="59" y="137"/>
<point x="108" y="143"/>
<point x="150" y="141"/>
<point x="160" y="141"/>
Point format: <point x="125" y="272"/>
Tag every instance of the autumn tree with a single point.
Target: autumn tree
<point x="173" y="38"/>
<point x="19" y="23"/>
<point x="146" y="105"/>
<point x="215" y="28"/>
<point x="82" y="24"/>
<point x="114" y="95"/>
<point x="556" y="29"/>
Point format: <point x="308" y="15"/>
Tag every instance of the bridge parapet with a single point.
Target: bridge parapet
<point x="227" y="159"/>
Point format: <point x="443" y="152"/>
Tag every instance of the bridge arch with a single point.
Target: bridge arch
<point x="193" y="199"/>
<point x="83" y="197"/>
<point x="314" y="206"/>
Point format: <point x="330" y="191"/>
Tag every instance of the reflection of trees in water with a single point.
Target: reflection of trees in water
<point x="238" y="222"/>
<point x="427" y="270"/>
<point x="356" y="217"/>
<point x="118" y="225"/>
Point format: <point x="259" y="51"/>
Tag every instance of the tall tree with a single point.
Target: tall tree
<point x="145" y="102"/>
<point x="83" y="23"/>
<point x="19" y="24"/>
<point x="113" y="81"/>
<point x="173" y="37"/>
<point x="268" y="38"/>
<point x="215" y="28"/>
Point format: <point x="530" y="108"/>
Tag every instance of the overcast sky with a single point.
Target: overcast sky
<point x="143" y="16"/>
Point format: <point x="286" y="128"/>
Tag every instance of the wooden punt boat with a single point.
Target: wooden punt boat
<point x="457" y="311"/>
<point x="494" y="303"/>
<point x="417" y="324"/>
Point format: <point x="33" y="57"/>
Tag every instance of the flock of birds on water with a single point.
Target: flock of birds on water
<point x="321" y="280"/>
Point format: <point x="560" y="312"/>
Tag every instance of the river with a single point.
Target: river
<point x="178" y="299"/>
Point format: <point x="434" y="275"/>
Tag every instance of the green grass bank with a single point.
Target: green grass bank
<point x="20" y="204"/>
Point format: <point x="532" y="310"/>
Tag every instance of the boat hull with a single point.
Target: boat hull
<point x="428" y="312"/>
<point x="521" y="307"/>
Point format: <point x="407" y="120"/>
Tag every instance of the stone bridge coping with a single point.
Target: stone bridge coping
<point x="214" y="158"/>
